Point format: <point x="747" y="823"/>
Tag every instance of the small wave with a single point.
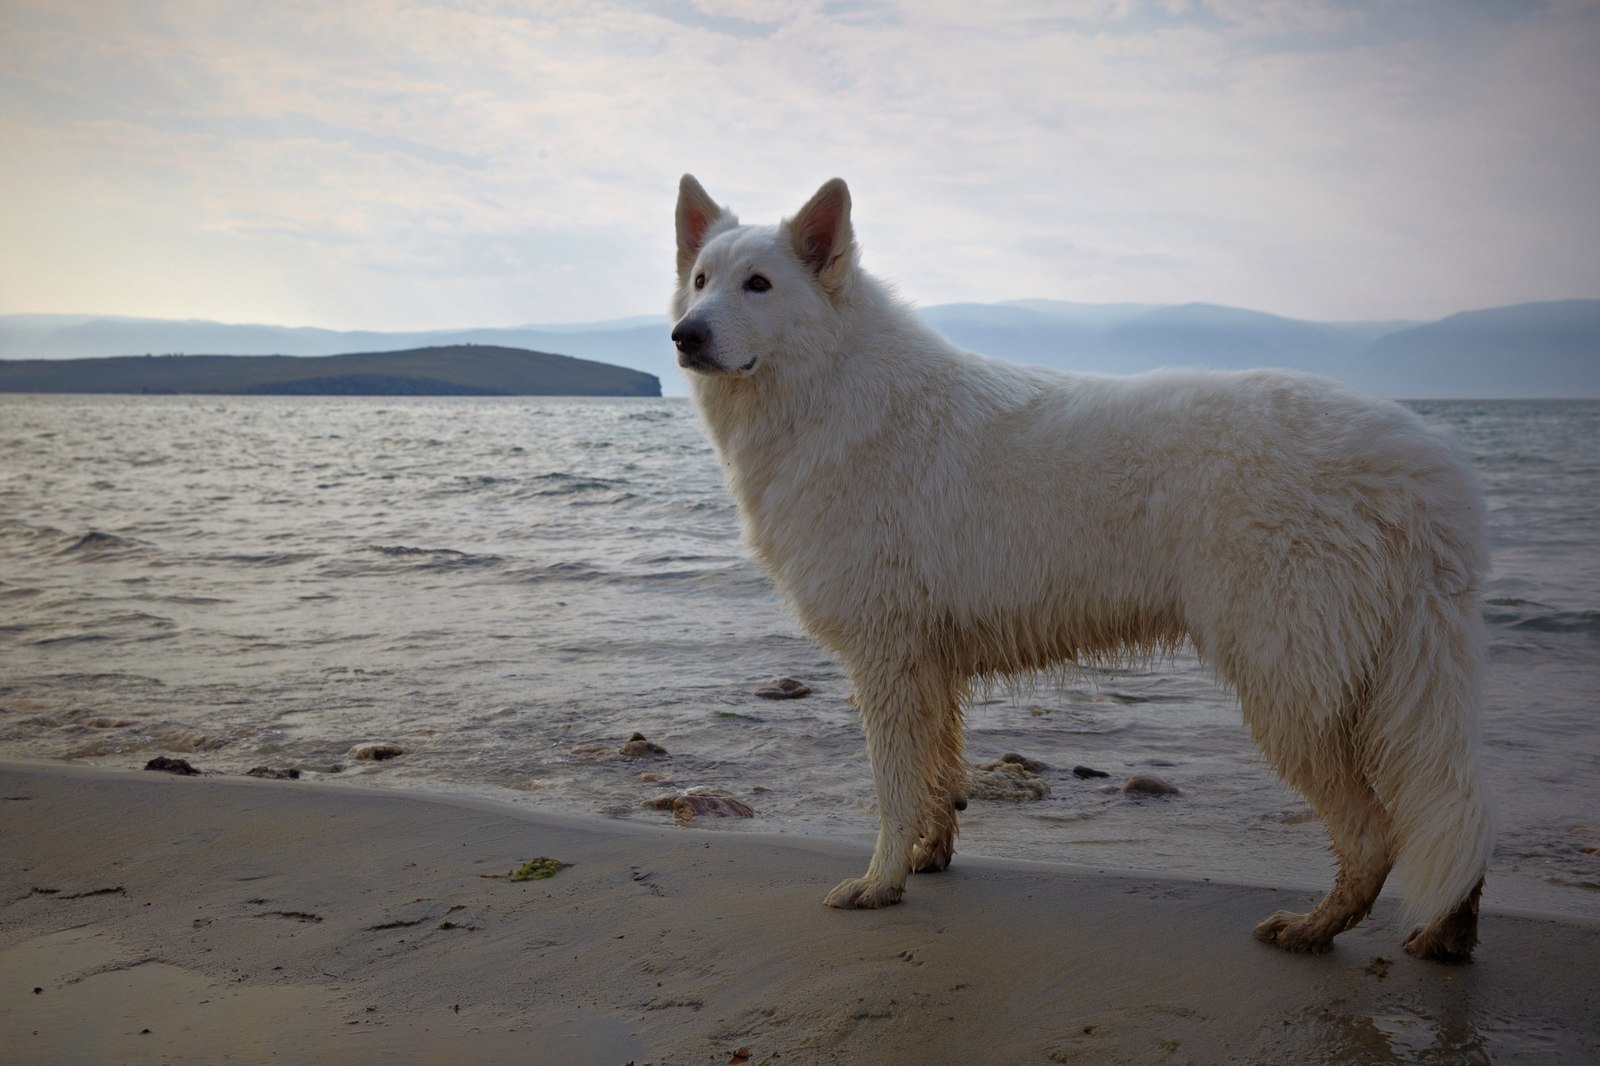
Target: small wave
<point x="96" y="544"/>
<point x="106" y="679"/>
<point x="611" y="501"/>
<point x="1529" y="616"/>
<point x="435" y="558"/>
<point x="1562" y="622"/>
<point x="574" y="571"/>
<point x="562" y="484"/>
<point x="679" y="557"/>
<point x="10" y="528"/>
<point x="264" y="558"/>
<point x="70" y="639"/>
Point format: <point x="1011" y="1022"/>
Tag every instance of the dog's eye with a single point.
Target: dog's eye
<point x="757" y="283"/>
<point x="700" y="281"/>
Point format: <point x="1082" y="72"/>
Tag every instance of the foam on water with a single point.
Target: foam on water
<point x="510" y="587"/>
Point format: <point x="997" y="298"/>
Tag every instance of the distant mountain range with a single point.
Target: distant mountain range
<point x="1529" y="350"/>
<point x="456" y="370"/>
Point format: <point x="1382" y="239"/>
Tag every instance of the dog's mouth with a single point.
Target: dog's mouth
<point x="703" y="364"/>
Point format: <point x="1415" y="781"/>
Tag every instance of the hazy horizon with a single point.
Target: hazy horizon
<point x="646" y="317"/>
<point x="1522" y="350"/>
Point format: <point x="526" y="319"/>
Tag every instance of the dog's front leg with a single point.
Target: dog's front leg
<point x="902" y="711"/>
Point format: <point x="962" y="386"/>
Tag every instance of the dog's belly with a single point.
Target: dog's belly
<point x="1034" y="641"/>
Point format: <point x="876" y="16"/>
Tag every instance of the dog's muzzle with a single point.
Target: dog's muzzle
<point x="696" y="352"/>
<point x="693" y="339"/>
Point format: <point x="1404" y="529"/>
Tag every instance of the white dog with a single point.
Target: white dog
<point x="935" y="517"/>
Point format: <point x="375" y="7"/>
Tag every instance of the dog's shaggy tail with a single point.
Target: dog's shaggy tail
<point x="1422" y="740"/>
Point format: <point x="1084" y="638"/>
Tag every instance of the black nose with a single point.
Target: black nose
<point x="691" y="336"/>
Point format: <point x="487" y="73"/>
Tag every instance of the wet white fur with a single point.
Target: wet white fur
<point x="933" y="517"/>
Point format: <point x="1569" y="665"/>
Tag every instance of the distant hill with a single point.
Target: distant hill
<point x="456" y="370"/>
<point x="1526" y="350"/>
<point x="1555" y="346"/>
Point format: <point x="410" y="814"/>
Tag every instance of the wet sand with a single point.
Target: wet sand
<point x="150" y="918"/>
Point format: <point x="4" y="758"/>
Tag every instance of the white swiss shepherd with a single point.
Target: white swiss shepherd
<point x="935" y="517"/>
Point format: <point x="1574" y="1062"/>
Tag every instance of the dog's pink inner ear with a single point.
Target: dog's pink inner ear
<point x="821" y="231"/>
<point x="696" y="212"/>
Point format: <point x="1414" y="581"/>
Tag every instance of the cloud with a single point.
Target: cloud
<point x="390" y="164"/>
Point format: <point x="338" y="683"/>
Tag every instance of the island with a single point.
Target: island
<point x="453" y="370"/>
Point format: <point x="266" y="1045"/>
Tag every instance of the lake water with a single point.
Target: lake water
<point x="508" y="588"/>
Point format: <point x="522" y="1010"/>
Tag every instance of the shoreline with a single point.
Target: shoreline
<point x="346" y="923"/>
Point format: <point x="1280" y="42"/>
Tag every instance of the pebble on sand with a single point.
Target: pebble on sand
<point x="1149" y="785"/>
<point x="785" y="688"/>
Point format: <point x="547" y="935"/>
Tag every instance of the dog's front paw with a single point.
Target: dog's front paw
<point x="863" y="893"/>
<point x="1293" y="932"/>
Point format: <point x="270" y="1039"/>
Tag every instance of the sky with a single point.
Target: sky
<point x="383" y="164"/>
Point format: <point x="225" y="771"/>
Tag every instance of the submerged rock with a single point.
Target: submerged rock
<point x="1033" y="766"/>
<point x="180" y="767"/>
<point x="785" y="688"/>
<point x="695" y="802"/>
<point x="1088" y="772"/>
<point x="1149" y="785"/>
<point x="1001" y="780"/>
<point x="377" y="751"/>
<point x="638" y="747"/>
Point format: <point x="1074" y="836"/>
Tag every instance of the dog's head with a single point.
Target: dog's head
<point x="748" y="294"/>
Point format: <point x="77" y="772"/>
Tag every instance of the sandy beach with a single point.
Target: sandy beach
<point x="152" y="918"/>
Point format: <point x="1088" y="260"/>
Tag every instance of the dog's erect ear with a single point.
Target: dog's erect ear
<point x="698" y="215"/>
<point x="822" y="235"/>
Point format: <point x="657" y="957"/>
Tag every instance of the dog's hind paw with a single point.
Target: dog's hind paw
<point x="1451" y="938"/>
<point x="1293" y="932"/>
<point x="931" y="857"/>
<point x="862" y="893"/>
<point x="1440" y="943"/>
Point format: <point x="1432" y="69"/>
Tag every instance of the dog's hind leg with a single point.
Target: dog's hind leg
<point x="904" y="712"/>
<point x="939" y="825"/>
<point x="1360" y="830"/>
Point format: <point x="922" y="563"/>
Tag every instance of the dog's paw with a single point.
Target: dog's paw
<point x="1437" y="944"/>
<point x="1293" y="932"/>
<point x="932" y="856"/>
<point x="862" y="893"/>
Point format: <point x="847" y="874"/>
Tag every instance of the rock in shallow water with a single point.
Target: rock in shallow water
<point x="377" y="751"/>
<point x="1087" y="772"/>
<point x="638" y="747"/>
<point x="1001" y="780"/>
<point x="273" y="775"/>
<point x="692" y="803"/>
<point x="785" y="688"/>
<point x="1149" y="785"/>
